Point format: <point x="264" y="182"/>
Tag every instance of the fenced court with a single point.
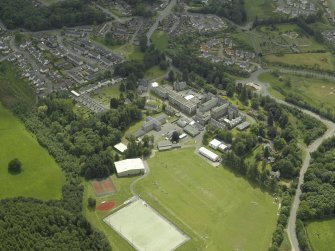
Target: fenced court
<point x="103" y="187"/>
<point x="145" y="229"/>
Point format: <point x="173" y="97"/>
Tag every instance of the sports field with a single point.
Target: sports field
<point x="145" y="229"/>
<point x="41" y="178"/>
<point x="217" y="209"/>
<point x="321" y="235"/>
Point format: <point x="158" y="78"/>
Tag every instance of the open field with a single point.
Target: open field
<point x="317" y="61"/>
<point x="160" y="40"/>
<point x="316" y="92"/>
<point x="218" y="210"/>
<point x="144" y="228"/>
<point x="321" y="235"/>
<point x="41" y="178"/>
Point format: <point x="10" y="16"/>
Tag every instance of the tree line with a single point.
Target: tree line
<point x="25" y="14"/>
<point x="234" y="10"/>
<point x="29" y="224"/>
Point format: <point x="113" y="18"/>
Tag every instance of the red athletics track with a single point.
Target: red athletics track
<point x="105" y="206"/>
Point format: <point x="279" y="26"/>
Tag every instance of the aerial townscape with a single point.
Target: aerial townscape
<point x="161" y="125"/>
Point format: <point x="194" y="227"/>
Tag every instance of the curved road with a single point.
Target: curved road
<point x="311" y="148"/>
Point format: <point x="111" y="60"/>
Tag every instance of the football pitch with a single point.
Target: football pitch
<point x="145" y="229"/>
<point x="214" y="207"/>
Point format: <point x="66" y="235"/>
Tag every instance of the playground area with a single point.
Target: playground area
<point x="145" y="229"/>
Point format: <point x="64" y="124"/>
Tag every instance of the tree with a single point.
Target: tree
<point x="15" y="166"/>
<point x="175" y="136"/>
<point x="91" y="203"/>
<point x="114" y="103"/>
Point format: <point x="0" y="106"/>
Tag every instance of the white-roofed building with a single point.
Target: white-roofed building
<point x="129" y="167"/>
<point x="223" y="148"/>
<point x="154" y="84"/>
<point x="215" y="144"/>
<point x="121" y="147"/>
<point x="75" y="93"/>
<point x="189" y="97"/>
<point x="208" y="154"/>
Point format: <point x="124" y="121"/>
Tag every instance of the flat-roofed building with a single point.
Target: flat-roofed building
<point x="191" y="130"/>
<point x="215" y="144"/>
<point x="219" y="111"/>
<point x="243" y="126"/>
<point x="129" y="167"/>
<point x="208" y="104"/>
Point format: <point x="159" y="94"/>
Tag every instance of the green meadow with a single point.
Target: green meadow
<point x="40" y="178"/>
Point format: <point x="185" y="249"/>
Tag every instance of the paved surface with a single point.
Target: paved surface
<point x="311" y="148"/>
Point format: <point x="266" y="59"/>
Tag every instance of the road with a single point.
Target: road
<point x="162" y="14"/>
<point x="311" y="148"/>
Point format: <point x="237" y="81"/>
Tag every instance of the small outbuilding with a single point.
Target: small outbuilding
<point x="129" y="167"/>
<point x="121" y="147"/>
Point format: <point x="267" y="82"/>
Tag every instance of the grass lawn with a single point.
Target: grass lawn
<point x="154" y="72"/>
<point x="104" y="95"/>
<point x="316" y="92"/>
<point x="40" y="178"/>
<point x="322" y="61"/>
<point x="218" y="210"/>
<point x="321" y="235"/>
<point x="160" y="40"/>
